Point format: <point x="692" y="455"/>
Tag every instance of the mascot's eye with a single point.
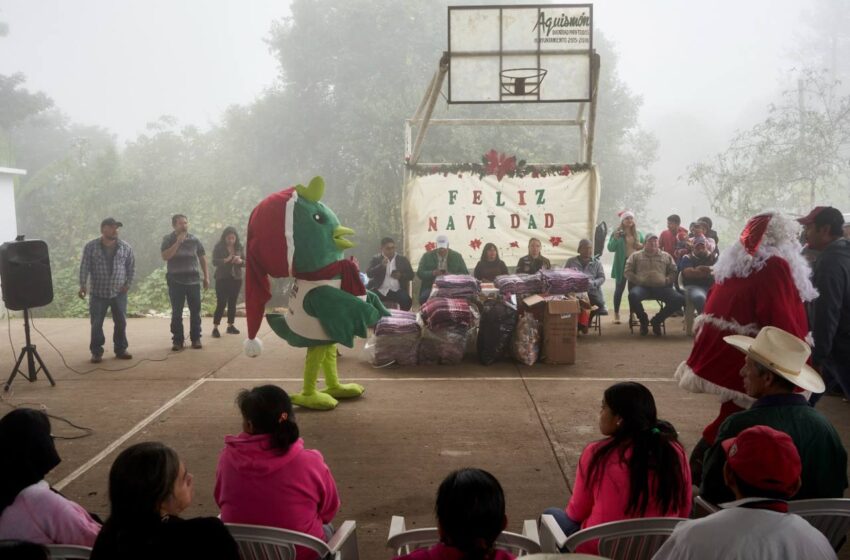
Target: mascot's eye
<point x="319" y="218"/>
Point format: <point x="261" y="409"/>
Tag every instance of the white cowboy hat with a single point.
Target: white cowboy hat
<point x="782" y="353"/>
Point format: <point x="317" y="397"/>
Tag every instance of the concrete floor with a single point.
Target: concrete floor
<point x="388" y="450"/>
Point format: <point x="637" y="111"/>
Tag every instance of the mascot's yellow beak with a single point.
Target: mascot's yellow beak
<point x="339" y="238"/>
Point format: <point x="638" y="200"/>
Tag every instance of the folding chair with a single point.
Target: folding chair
<point x="689" y="309"/>
<point x="829" y="516"/>
<point x="633" y="320"/>
<point x="257" y="542"/>
<point x="631" y="539"/>
<point x="68" y="552"/>
<point x="403" y="541"/>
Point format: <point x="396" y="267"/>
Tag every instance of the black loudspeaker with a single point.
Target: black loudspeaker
<point x="25" y="274"/>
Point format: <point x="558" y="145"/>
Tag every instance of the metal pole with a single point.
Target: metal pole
<point x="594" y="96"/>
<point x="429" y="109"/>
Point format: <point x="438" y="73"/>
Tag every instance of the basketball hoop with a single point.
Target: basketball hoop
<point x="522" y="81"/>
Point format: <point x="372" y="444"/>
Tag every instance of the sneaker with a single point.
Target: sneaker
<point x="602" y="312"/>
<point x="123" y="356"/>
<point x="215" y="333"/>
<point x="616" y="317"/>
<point x="177" y="347"/>
<point x="232" y="330"/>
<point x="196" y="344"/>
<point x="644" y="329"/>
<point x="96" y="359"/>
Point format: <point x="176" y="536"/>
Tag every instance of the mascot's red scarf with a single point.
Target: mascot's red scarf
<point x="349" y="272"/>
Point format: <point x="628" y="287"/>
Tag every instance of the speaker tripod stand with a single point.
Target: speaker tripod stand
<point x="32" y="356"/>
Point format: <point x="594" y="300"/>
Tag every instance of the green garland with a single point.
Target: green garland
<point x="486" y="167"/>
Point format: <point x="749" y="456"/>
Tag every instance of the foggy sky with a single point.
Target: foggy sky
<point x="702" y="68"/>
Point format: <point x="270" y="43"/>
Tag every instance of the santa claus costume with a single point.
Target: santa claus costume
<point x="761" y="280"/>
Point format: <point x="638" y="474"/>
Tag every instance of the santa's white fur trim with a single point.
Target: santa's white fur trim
<point x="253" y="347"/>
<point x="726" y="325"/>
<point x="289" y="232"/>
<point x="690" y="381"/>
<point x="780" y="240"/>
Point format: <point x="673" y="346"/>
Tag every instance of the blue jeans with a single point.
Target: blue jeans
<point x="619" y="288"/>
<point x="97" y="312"/>
<point x="673" y="301"/>
<point x="568" y="526"/>
<point x="190" y="294"/>
<point x="697" y="295"/>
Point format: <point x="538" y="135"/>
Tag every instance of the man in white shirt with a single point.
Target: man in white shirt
<point x="762" y="470"/>
<point x="390" y="275"/>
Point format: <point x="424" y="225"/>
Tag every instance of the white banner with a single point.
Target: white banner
<point x="473" y="211"/>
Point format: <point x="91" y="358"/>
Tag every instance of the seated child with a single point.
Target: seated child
<point x="265" y="476"/>
<point x="470" y="515"/>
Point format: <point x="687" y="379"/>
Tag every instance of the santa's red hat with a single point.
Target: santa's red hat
<point x="270" y="252"/>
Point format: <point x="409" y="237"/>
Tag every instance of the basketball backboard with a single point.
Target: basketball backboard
<point x="520" y="54"/>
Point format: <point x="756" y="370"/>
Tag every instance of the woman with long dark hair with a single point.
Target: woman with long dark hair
<point x="265" y="476"/>
<point x="29" y="509"/>
<point x="490" y="264"/>
<point x="148" y="487"/>
<point x="228" y="258"/>
<point x="638" y="470"/>
<point x="470" y="514"/>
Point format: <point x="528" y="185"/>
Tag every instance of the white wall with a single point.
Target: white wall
<point x="8" y="219"/>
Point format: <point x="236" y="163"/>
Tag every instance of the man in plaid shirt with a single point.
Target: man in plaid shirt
<point x="109" y="264"/>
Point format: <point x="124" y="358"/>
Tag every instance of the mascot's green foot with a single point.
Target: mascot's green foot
<point x="316" y="400"/>
<point x="345" y="390"/>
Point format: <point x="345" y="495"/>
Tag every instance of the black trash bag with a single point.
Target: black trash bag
<point x="495" y="331"/>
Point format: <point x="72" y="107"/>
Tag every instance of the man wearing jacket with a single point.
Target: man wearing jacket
<point x="390" y="275"/>
<point x="651" y="274"/>
<point x="831" y="316"/>
<point x="438" y="262"/>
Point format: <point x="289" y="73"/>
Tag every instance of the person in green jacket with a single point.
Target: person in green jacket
<point x="774" y="369"/>
<point x="625" y="240"/>
<point x="441" y="260"/>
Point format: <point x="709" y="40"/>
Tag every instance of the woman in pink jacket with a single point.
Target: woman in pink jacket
<point x="265" y="476"/>
<point x="30" y="510"/>
<point x="638" y="470"/>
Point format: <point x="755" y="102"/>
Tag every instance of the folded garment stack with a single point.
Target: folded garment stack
<point x="397" y="339"/>
<point x="441" y="313"/>
<point x="564" y="281"/>
<point x="457" y="286"/>
<point x="520" y="284"/>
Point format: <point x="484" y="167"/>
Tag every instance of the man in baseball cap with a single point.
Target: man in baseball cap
<point x="775" y="373"/>
<point x="762" y="470"/>
<point x="830" y="318"/>
<point x="651" y="274"/>
<point x="436" y="262"/>
<point x="106" y="273"/>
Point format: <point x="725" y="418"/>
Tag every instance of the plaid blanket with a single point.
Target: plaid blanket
<point x="564" y="281"/>
<point x="520" y="284"/>
<point x="441" y="313"/>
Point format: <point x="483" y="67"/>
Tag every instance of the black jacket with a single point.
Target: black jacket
<point x="831" y="318"/>
<point x="377" y="272"/>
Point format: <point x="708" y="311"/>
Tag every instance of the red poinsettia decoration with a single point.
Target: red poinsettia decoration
<point x="566" y="170"/>
<point x="555" y="241"/>
<point x="499" y="164"/>
<point x="475" y="244"/>
<point x="515" y="244"/>
<point x="430" y="246"/>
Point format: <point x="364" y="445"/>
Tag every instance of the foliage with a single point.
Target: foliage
<point x="17" y="103"/>
<point x="789" y="161"/>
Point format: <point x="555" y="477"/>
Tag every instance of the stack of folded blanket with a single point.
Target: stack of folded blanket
<point x="397" y="339"/>
<point x="564" y="281"/>
<point x="520" y="284"/>
<point x="457" y="286"/>
<point x="440" y="313"/>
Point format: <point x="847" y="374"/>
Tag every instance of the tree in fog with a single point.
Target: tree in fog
<point x="791" y="160"/>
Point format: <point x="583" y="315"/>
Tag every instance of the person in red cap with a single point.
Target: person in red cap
<point x="291" y="234"/>
<point x="762" y="470"/>
<point x="774" y="368"/>
<point x="761" y="280"/>
<point x="831" y="310"/>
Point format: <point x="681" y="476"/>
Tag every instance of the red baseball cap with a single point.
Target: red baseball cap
<point x="810" y="217"/>
<point x="764" y="458"/>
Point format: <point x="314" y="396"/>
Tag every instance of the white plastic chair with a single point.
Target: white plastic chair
<point x="829" y="516"/>
<point x="563" y="556"/>
<point x="257" y="542"/>
<point x="68" y="552"/>
<point x="403" y="541"/>
<point x="630" y="539"/>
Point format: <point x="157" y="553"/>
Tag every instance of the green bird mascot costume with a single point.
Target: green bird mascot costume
<point x="292" y="234"/>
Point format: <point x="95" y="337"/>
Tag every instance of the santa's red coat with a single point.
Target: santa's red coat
<point x="768" y="296"/>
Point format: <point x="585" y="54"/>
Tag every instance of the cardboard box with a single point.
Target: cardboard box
<point x="560" y="330"/>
